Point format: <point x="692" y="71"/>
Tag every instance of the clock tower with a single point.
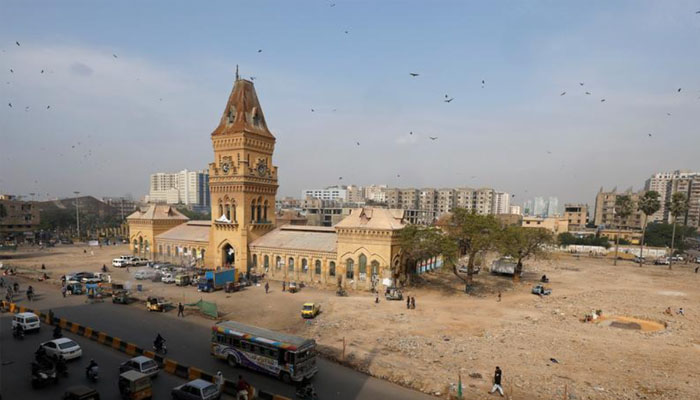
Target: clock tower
<point x="242" y="180"/>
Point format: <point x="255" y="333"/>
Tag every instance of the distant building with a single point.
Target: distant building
<point x="577" y="215"/>
<point x="553" y="207"/>
<point x="190" y="188"/>
<point x="17" y="218"/>
<point x="605" y="210"/>
<point x="668" y="183"/>
<point x="541" y="207"/>
<point x="123" y="205"/>
<point x="329" y="193"/>
<point x="556" y="225"/>
<point x="376" y="193"/>
<point x="501" y="203"/>
<point x="517" y="210"/>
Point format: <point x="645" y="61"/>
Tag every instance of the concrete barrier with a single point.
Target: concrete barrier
<point x="168" y="365"/>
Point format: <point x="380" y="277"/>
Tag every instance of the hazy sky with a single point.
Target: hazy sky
<point x="113" y="121"/>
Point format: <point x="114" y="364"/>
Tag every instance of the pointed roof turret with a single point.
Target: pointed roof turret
<point x="243" y="112"/>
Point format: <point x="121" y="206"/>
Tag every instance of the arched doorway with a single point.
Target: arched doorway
<point x="228" y="256"/>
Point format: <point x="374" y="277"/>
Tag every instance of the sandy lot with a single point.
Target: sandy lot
<point x="450" y="333"/>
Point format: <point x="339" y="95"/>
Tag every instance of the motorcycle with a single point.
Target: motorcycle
<point x="57" y="332"/>
<point x="160" y="349"/>
<point x="92" y="373"/>
<point x="42" y="375"/>
<point x="18" y="334"/>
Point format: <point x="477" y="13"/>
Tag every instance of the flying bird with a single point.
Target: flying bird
<point x="332" y="4"/>
<point x="252" y="78"/>
<point x="42" y="71"/>
<point x="259" y="50"/>
<point x="17" y="43"/>
<point x="649" y="134"/>
<point x="669" y="114"/>
<point x="340" y="178"/>
<point x="483" y="83"/>
<point x="358" y="143"/>
<point x="449" y="100"/>
<point x="580" y="83"/>
<point x="433" y="137"/>
<point x="9" y="104"/>
<point x="588" y="93"/>
<point x="12" y="71"/>
<point x="549" y="152"/>
<point x="562" y="93"/>
<point x="47" y="107"/>
<point x="697" y="12"/>
<point x="346" y="32"/>
<point x="114" y="55"/>
<point x="413" y="74"/>
<point x="602" y="100"/>
<point x="410" y="133"/>
<point x="398" y="175"/>
<point x="26" y="108"/>
<point x="679" y="90"/>
<point x="312" y="110"/>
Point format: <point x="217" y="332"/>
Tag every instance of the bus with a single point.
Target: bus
<point x="290" y="358"/>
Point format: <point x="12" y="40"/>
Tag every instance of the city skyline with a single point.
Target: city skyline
<point x="117" y="95"/>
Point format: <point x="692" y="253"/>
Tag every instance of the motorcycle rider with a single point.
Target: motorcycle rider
<point x="92" y="369"/>
<point x="158" y="342"/>
<point x="57" y="332"/>
<point x="61" y="366"/>
<point x="30" y="293"/>
<point x="19" y="331"/>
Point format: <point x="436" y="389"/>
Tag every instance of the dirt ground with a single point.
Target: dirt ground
<point x="539" y="342"/>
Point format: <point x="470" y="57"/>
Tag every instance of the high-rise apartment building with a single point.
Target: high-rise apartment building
<point x="376" y="193"/>
<point x="553" y="207"/>
<point x="329" y="193"/>
<point x="516" y="210"/>
<point x="605" y="212"/>
<point x="185" y="187"/>
<point x="576" y="215"/>
<point x="355" y="194"/>
<point x="668" y="183"/>
<point x="501" y="203"/>
<point x="541" y="207"/>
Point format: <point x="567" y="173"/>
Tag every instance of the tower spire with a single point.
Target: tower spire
<point x="237" y="77"/>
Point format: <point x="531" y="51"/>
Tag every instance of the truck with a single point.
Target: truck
<point x="216" y="280"/>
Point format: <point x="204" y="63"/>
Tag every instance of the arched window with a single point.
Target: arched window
<point x="233" y="208"/>
<point x="255" y="260"/>
<point x="265" y="211"/>
<point x="266" y="262"/>
<point x="304" y="265"/>
<point x="363" y="267"/>
<point x="221" y="209"/>
<point x="259" y="219"/>
<point x="350" y="269"/>
<point x="317" y="267"/>
<point x="252" y="211"/>
<point x="167" y="249"/>
<point x="375" y="268"/>
<point x="228" y="211"/>
<point x="290" y="267"/>
<point x="331" y="268"/>
<point x="278" y="263"/>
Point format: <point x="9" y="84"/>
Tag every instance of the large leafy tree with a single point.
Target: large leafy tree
<point x="677" y="207"/>
<point x="473" y="234"/>
<point x="522" y="243"/>
<point x="420" y="243"/>
<point x="660" y="235"/>
<point x="648" y="205"/>
<point x="624" y="207"/>
<point x="566" y="238"/>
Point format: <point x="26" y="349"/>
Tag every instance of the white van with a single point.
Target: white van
<point x="122" y="261"/>
<point x="28" y="321"/>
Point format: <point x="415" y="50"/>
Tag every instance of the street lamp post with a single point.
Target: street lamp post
<point x="77" y="214"/>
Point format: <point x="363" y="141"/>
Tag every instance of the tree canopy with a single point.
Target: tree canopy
<point x="522" y="243"/>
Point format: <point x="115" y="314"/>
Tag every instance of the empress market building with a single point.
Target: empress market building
<point x="357" y="252"/>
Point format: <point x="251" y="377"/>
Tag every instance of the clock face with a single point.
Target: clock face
<point x="225" y="167"/>
<point x="262" y="168"/>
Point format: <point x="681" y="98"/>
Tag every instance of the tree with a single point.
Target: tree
<point x="420" y="243"/>
<point x="522" y="243"/>
<point x="3" y="211"/>
<point x="473" y="234"/>
<point x="648" y="204"/>
<point x="624" y="206"/>
<point x="677" y="207"/>
<point x="566" y="238"/>
<point x="659" y="234"/>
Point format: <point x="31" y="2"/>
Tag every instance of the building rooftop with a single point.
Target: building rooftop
<point x="300" y="237"/>
<point x="157" y="211"/>
<point x="373" y="218"/>
<point x="243" y="112"/>
<point x="192" y="231"/>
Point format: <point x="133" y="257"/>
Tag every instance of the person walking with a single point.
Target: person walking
<point x="241" y="389"/>
<point x="180" y="310"/>
<point x="376" y="298"/>
<point x="284" y="283"/>
<point x="267" y="287"/>
<point x="413" y="303"/>
<point x="219" y="381"/>
<point x="408" y="302"/>
<point x="497" y="375"/>
<point x="499" y="296"/>
<point x="63" y="290"/>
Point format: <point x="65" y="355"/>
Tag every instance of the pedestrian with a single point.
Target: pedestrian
<point x="499" y="296"/>
<point x="180" y="310"/>
<point x="84" y="251"/>
<point x="497" y="381"/>
<point x="267" y="287"/>
<point x="681" y="312"/>
<point x="219" y="381"/>
<point x="413" y="302"/>
<point x="241" y="389"/>
<point x="63" y="290"/>
<point x="696" y="269"/>
<point x="284" y="285"/>
<point x="16" y="287"/>
<point x="376" y="298"/>
<point x="43" y="266"/>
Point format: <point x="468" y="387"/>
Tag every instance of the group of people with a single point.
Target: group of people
<point x="669" y="312"/>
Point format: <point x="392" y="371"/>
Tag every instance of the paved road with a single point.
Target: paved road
<point x="189" y="343"/>
<point x="15" y="373"/>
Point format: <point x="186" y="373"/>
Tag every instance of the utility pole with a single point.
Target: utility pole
<point x="77" y="214"/>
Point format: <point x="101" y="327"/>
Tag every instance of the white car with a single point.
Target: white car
<point x="144" y="274"/>
<point x="122" y="261"/>
<point x="27" y="320"/>
<point x="139" y="261"/>
<point x="64" y="347"/>
<point x="167" y="278"/>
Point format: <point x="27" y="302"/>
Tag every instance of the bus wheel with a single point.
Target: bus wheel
<point x="232" y="361"/>
<point x="285" y="377"/>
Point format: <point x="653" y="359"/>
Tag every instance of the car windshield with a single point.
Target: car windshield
<point x="308" y="308"/>
<point x="209" y="390"/>
<point x="149" y="364"/>
<point x="67" y="345"/>
<point x="31" y="320"/>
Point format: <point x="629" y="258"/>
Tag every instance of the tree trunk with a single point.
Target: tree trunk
<point x="641" y="245"/>
<point x="518" y="270"/>
<point x="617" y="244"/>
<point x="673" y="242"/>
<point x="470" y="272"/>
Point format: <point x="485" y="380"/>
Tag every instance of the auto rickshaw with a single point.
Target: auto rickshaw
<point x="93" y="291"/>
<point x="182" y="280"/>
<point x="80" y="393"/>
<point x="155" y="304"/>
<point x="293" y="287"/>
<point x="230" y="287"/>
<point x="134" y="385"/>
<point x="121" y="297"/>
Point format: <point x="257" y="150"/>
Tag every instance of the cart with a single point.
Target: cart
<point x="134" y="385"/>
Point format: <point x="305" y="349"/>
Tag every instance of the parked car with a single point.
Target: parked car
<point x="310" y="310"/>
<point x="638" y="259"/>
<point x="167" y="278"/>
<point x="142" y="364"/>
<point x="121" y="297"/>
<point x="137" y="261"/>
<point x="27" y="320"/>
<point x="662" y="261"/>
<point x="182" y="280"/>
<point x="198" y="389"/>
<point x="697" y="260"/>
<point x="82" y="275"/>
<point x="160" y="265"/>
<point x="677" y="258"/>
<point x="92" y="279"/>
<point x="63" y="347"/>
<point x="74" y="287"/>
<point x="122" y="261"/>
<point x="393" y="293"/>
<point x="156" y="304"/>
<point x="144" y="274"/>
<point x="541" y="290"/>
